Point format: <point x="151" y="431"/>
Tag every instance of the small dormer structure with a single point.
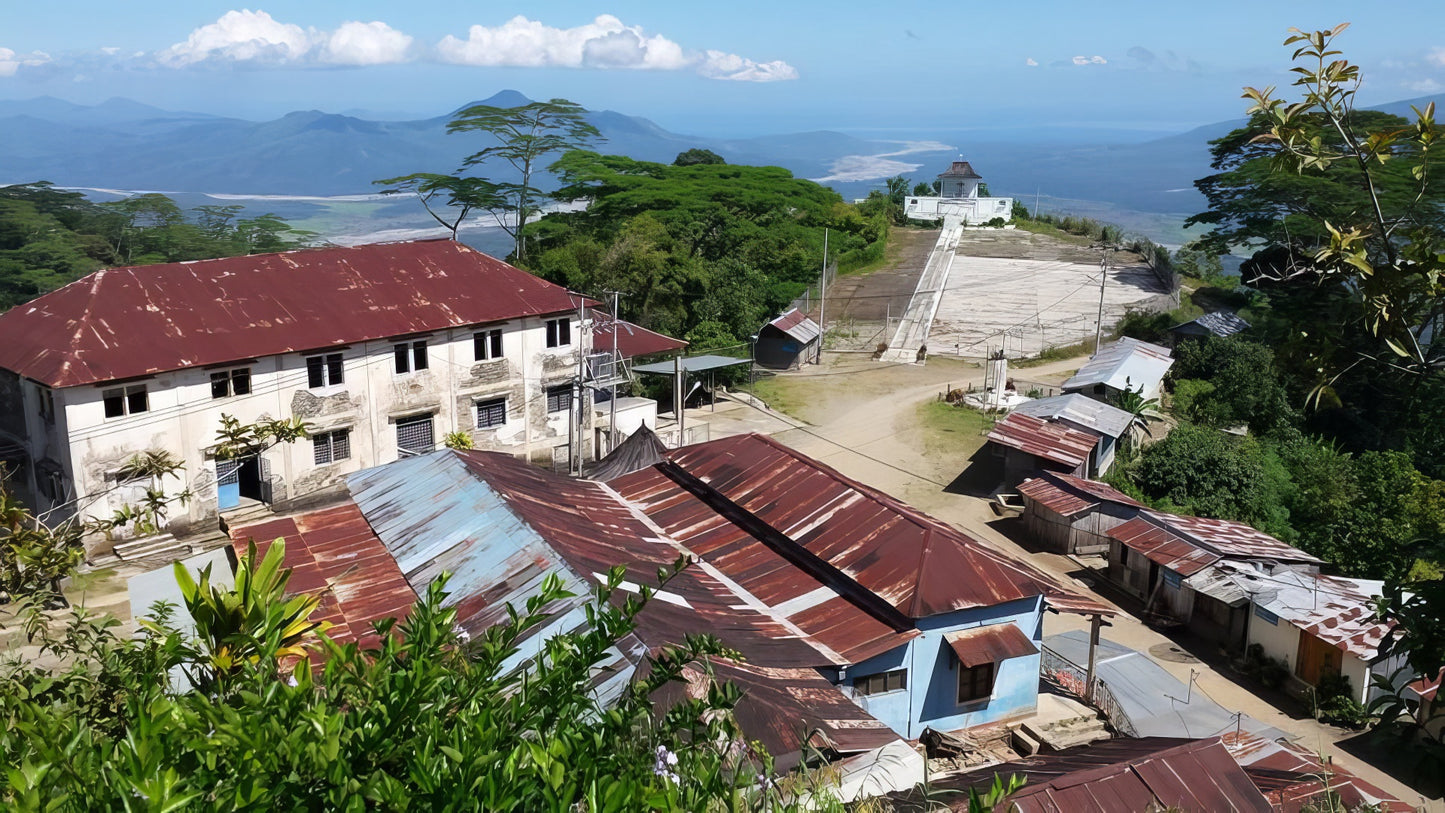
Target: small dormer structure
<point x="959" y="181"/>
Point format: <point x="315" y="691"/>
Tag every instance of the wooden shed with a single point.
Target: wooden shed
<point x="1073" y="515"/>
<point x="787" y="341"/>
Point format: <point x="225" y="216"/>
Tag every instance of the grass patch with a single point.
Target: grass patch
<point x="955" y="431"/>
<point x="1038" y="227"/>
<point x="1068" y="351"/>
<point x="782" y="394"/>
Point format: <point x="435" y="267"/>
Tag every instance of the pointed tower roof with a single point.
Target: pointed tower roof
<point x="960" y="169"/>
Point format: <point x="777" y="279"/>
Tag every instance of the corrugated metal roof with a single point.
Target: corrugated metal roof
<point x="499" y="525"/>
<point x="1080" y="410"/>
<point x="1291" y="775"/>
<point x="990" y="644"/>
<point x="1051" y="440"/>
<point x="1125" y="363"/>
<point x="1066" y="495"/>
<point x="1231" y="539"/>
<point x="126" y="322"/>
<point x="633" y="341"/>
<point x="797" y="325"/>
<point x="334" y="554"/>
<point x="1337" y="610"/>
<point x="1195" y="776"/>
<point x="1218" y="323"/>
<point x="691" y="364"/>
<point x="1160" y="546"/>
<point x="771" y="508"/>
<point x="1217" y="584"/>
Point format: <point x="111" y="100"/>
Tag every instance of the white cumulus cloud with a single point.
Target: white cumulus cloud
<point x="1424" y="86"/>
<point x="11" y="62"/>
<point x="1436" y="57"/>
<point x="241" y="36"/>
<point x="256" y="38"/>
<point x="374" y="43"/>
<point x="1031" y="62"/>
<point x="606" y="42"/>
<point x="1090" y="60"/>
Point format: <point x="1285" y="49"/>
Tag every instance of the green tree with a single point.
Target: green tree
<point x="1244" y="384"/>
<point x="1201" y="471"/>
<point x="1143" y="413"/>
<point x="524" y="137"/>
<point x="697" y="155"/>
<point x="426" y="719"/>
<point x="922" y="189"/>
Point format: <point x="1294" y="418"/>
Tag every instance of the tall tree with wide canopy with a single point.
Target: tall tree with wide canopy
<point x="524" y="136"/>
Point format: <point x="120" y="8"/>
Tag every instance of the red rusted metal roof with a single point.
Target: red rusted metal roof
<point x="797" y="325"/>
<point x="1290" y="776"/>
<point x="1160" y="546"/>
<point x="334" y="554"/>
<point x="1231" y="540"/>
<point x="1067" y="495"/>
<point x="990" y="644"/>
<point x="633" y="341"/>
<point x="1153" y="773"/>
<point x="127" y="322"/>
<point x="822" y="549"/>
<point x="1051" y="440"/>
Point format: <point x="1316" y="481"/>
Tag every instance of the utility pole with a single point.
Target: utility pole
<point x="1103" y="275"/>
<point x="678" y="397"/>
<point x="612" y="405"/>
<point x="822" y="301"/>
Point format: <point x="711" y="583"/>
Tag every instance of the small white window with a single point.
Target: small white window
<point x="125" y="400"/>
<point x="487" y="344"/>
<point x="559" y="332"/>
<point x="324" y="371"/>
<point x="410" y="356"/>
<point x="226" y="383"/>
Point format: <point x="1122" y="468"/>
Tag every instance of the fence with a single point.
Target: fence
<point x="1068" y="676"/>
<point x="809" y="300"/>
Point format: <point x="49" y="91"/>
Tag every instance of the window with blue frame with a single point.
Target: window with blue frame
<point x="1266" y="616"/>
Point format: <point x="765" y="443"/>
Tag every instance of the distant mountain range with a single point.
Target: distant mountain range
<point x="126" y="145"/>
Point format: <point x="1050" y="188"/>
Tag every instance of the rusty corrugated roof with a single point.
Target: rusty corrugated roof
<point x="990" y="644"/>
<point x="960" y="169"/>
<point x="1160" y="546"/>
<point x="127" y="322"/>
<point x="1231" y="539"/>
<point x="1051" y="440"/>
<point x="797" y="325"/>
<point x="1067" y="495"/>
<point x="815" y="545"/>
<point x="633" y="341"/>
<point x="334" y="554"/>
<point x="1290" y="776"/>
<point x="1114" y="776"/>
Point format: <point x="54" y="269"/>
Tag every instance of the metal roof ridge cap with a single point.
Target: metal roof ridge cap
<point x="796" y="553"/>
<point x="745" y="595"/>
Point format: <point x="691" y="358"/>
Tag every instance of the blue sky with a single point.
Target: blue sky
<point x="740" y="68"/>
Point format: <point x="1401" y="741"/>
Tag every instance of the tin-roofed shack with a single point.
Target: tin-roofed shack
<point x="1072" y="515"/>
<point x="1027" y="445"/>
<point x="787" y="342"/>
<point x="1125" y="364"/>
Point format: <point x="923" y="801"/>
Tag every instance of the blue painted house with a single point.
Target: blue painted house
<point x="925" y="626"/>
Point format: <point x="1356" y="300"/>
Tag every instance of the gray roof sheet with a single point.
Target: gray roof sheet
<point x="1081" y="410"/>
<point x="1125" y="363"/>
<point x="1219" y="323"/>
<point x="691" y="364"/>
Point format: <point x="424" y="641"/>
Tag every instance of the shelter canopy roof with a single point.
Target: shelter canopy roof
<point x="690" y="364"/>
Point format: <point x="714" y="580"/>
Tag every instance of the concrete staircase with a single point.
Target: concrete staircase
<point x="147" y="547"/>
<point x="249" y="512"/>
<point x="1064" y="723"/>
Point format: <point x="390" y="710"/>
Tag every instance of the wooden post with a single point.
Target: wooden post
<point x="1095" y="622"/>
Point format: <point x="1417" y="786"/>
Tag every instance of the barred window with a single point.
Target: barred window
<point x="491" y="413"/>
<point x="330" y="447"/>
<point x="559" y="398"/>
<point x="415" y="436"/>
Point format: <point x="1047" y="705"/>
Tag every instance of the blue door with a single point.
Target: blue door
<point x="228" y="484"/>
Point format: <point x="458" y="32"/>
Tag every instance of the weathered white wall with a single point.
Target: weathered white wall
<point x="183" y="417"/>
<point x="972" y="209"/>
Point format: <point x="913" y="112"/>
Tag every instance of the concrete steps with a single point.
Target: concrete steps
<point x="148" y="547"/>
<point x="248" y="513"/>
<point x="1064" y="723"/>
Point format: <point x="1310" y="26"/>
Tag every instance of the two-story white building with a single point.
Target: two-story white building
<point x="958" y="198"/>
<point x="381" y="349"/>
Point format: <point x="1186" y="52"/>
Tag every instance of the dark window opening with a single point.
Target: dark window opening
<point x="324" y="371"/>
<point x="975" y="683"/>
<point x="882" y="682"/>
<point x="410" y="356"/>
<point x="487" y="344"/>
<point x="559" y="332"/>
<point x="125" y="400"/>
<point x="231" y="382"/>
